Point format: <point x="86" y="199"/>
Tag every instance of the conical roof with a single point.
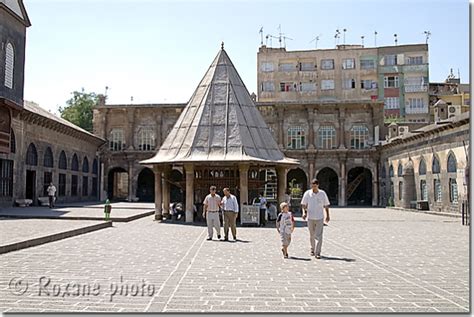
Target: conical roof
<point x="220" y="124"/>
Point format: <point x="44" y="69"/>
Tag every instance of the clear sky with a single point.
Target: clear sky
<point x="157" y="51"/>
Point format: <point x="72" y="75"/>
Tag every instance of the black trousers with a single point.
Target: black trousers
<point x="262" y="217"/>
<point x="51" y="201"/>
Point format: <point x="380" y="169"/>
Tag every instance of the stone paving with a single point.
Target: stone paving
<point x="120" y="211"/>
<point x="374" y="260"/>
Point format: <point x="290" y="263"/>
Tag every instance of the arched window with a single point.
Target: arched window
<point x="9" y="65"/>
<point x="400" y="190"/>
<point x="32" y="155"/>
<point x="85" y="165"/>
<point x="116" y="140"/>
<point x="95" y="167"/>
<point x="327" y="137"/>
<point x="75" y="163"/>
<point x="146" y="139"/>
<point x="422" y="168"/>
<point x="48" y="158"/>
<point x="359" y="137"/>
<point x="12" y="141"/>
<point x="390" y="171"/>
<point x="452" y="166"/>
<point x="453" y="190"/>
<point x="62" y="161"/>
<point x="423" y="190"/>
<point x="296" y="138"/>
<point x="435" y="167"/>
<point x="400" y="169"/>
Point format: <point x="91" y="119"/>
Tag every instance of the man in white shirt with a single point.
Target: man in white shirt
<point x="231" y="209"/>
<point x="261" y="202"/>
<point x="51" y="194"/>
<point x="313" y="202"/>
<point x="211" y="213"/>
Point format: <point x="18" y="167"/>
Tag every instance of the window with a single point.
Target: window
<point x="392" y="103"/>
<point x="423" y="190"/>
<point x="400" y="169"/>
<point x="435" y="167"/>
<point x="390" y="82"/>
<point x="287" y="87"/>
<point x="437" y="190"/>
<point x="296" y="138"/>
<point x="85" y="165"/>
<point x="348" y="84"/>
<point x="327" y="137"/>
<point x="62" y="185"/>
<point x="416" y="84"/>
<point x="287" y="67"/>
<point x="48" y="158"/>
<point x="414" y="60"/>
<point x="12" y="141"/>
<point x="327" y="64"/>
<point x="348" y="63"/>
<point x="453" y="190"/>
<point x="268" y="86"/>
<point x="32" y="155"/>
<point x="146" y="139"/>
<point x="94" y="186"/>
<point x="9" y="65"/>
<point x="367" y="64"/>
<point x="422" y="168"/>
<point x="400" y="190"/>
<point x="368" y="84"/>
<point x="85" y="186"/>
<point x="62" y="161"/>
<point x="266" y="67"/>
<point x="452" y="168"/>
<point x="307" y="87"/>
<point x="390" y="60"/>
<point x="95" y="167"/>
<point x="47" y="179"/>
<point x="327" y="84"/>
<point x="74" y="163"/>
<point x="73" y="185"/>
<point x="116" y="140"/>
<point x="390" y="171"/>
<point x="6" y="178"/>
<point x="416" y="105"/>
<point x="359" y="137"/>
<point x="307" y="66"/>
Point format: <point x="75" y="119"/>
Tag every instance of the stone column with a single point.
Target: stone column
<point x="131" y="128"/>
<point x="130" y="181"/>
<point x="375" y="187"/>
<point x="189" y="170"/>
<point x="281" y="176"/>
<point x="281" y="138"/>
<point x="102" y="192"/>
<point x="342" y="131"/>
<point x="244" y="184"/>
<point x="342" y="183"/>
<point x="310" y="112"/>
<point x="311" y="169"/>
<point x="166" y="192"/>
<point x="158" y="193"/>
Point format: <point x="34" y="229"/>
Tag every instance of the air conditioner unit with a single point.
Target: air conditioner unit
<point x="402" y="130"/>
<point x="454" y="110"/>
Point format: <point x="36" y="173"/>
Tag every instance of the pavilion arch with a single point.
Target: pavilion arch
<point x="117" y="183"/>
<point x="329" y="182"/>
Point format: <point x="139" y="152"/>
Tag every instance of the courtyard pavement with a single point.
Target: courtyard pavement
<point x="121" y="211"/>
<point x="374" y="260"/>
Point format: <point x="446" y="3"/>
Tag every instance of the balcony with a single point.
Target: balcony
<point x="389" y="69"/>
<point x="416" y="68"/>
<point x="410" y="110"/>
<point x="416" y="88"/>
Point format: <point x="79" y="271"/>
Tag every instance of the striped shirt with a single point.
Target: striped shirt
<point x="212" y="203"/>
<point x="230" y="203"/>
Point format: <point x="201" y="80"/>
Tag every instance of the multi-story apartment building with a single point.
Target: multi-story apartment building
<point x="396" y="75"/>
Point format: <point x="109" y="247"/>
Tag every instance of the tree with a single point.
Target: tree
<point x="79" y="109"/>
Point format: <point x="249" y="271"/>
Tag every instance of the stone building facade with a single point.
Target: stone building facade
<point x="46" y="149"/>
<point x="428" y="165"/>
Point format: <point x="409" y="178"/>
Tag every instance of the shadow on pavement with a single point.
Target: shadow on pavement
<point x="297" y="258"/>
<point x="336" y="259"/>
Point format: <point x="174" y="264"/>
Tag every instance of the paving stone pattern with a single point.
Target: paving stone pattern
<point x="374" y="260"/>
